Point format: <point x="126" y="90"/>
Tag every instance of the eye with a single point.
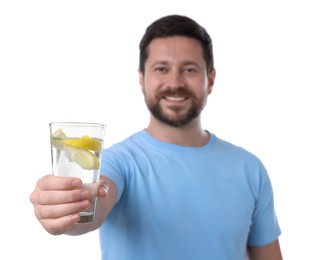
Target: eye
<point x="190" y="70"/>
<point x="160" y="69"/>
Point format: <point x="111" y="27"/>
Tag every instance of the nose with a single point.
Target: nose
<point x="175" y="79"/>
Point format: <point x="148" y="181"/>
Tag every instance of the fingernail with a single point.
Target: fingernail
<point x="106" y="188"/>
<point x="76" y="183"/>
<point x="85" y="204"/>
<point x="84" y="194"/>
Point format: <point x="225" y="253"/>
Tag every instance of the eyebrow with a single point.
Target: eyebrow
<point x="185" y="63"/>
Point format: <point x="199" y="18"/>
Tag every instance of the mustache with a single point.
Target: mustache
<point x="180" y="91"/>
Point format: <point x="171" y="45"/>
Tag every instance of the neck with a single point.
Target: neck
<point x="190" y="135"/>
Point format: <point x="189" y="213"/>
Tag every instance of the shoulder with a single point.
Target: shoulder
<point x="239" y="162"/>
<point x="127" y="152"/>
<point x="127" y="144"/>
<point x="235" y="151"/>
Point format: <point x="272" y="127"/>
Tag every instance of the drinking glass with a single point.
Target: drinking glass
<point x="76" y="150"/>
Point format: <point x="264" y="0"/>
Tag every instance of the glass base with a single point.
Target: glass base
<point x="86" y="217"/>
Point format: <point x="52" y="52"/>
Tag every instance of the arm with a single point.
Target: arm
<point x="267" y="252"/>
<point x="58" y="200"/>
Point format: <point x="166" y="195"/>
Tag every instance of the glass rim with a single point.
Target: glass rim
<point x="75" y="123"/>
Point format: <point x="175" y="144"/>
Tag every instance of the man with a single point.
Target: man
<point x="176" y="191"/>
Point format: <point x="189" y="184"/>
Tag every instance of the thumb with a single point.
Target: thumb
<point x="103" y="188"/>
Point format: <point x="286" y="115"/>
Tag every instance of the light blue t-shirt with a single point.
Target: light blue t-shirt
<point x="177" y="202"/>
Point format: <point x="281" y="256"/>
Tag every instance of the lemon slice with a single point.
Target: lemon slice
<point x="59" y="134"/>
<point x="85" y="142"/>
<point x="84" y="158"/>
<point x="57" y="138"/>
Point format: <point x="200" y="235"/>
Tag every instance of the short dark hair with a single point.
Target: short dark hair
<point x="177" y="25"/>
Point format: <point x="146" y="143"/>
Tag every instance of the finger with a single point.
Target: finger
<point x="59" y="226"/>
<point x="62" y="197"/>
<point x="50" y="182"/>
<point x="103" y="189"/>
<point x="44" y="212"/>
<point x="103" y="186"/>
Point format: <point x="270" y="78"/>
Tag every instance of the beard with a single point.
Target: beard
<point x="180" y="118"/>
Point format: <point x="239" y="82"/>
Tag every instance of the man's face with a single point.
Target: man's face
<point x="175" y="83"/>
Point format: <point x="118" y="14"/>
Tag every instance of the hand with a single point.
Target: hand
<point x="57" y="202"/>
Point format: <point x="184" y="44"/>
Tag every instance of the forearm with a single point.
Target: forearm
<point x="267" y="252"/>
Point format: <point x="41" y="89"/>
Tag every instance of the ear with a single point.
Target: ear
<point x="141" y="79"/>
<point x="211" y="80"/>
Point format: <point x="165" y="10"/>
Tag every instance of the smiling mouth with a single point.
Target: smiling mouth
<point x="169" y="98"/>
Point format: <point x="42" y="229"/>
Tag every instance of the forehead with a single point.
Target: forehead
<point x="175" y="48"/>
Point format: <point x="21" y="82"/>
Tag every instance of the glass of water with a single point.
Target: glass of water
<point x="76" y="150"/>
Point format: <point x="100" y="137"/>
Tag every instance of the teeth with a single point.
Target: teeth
<point x="175" y="98"/>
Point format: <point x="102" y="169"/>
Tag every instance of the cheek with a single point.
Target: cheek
<point x="150" y="86"/>
<point x="147" y="93"/>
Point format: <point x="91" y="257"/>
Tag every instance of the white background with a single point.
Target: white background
<point x="77" y="61"/>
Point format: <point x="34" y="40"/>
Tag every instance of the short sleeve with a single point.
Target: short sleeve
<point x="112" y="168"/>
<point x="265" y="227"/>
